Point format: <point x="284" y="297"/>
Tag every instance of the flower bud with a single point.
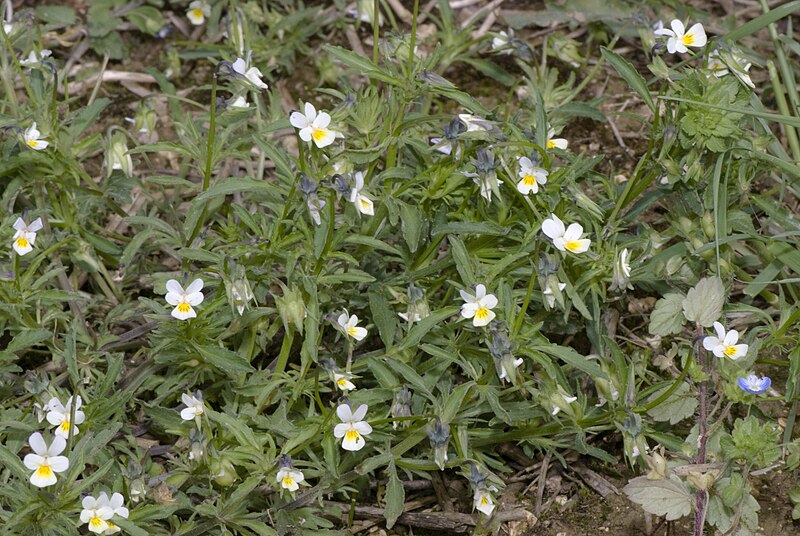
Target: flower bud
<point x="117" y="156"/>
<point x="224" y="474"/>
<point x="401" y="406"/>
<point x="138" y="490"/>
<point x="291" y="308"/>
<point x="239" y="294"/>
<point x="439" y="435"/>
<point x="657" y="465"/>
<point x="621" y="279"/>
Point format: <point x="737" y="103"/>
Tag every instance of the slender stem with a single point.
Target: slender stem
<point x="329" y="236"/>
<point x="376" y="31"/>
<point x="17" y="65"/>
<point x="521" y="318"/>
<point x="413" y="41"/>
<point x="286" y="348"/>
<point x="212" y="127"/>
<point x="350" y="345"/>
<point x="783" y="107"/>
<point x="700" y="496"/>
<point x="16" y="271"/>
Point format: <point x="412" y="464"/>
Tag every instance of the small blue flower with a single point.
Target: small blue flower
<point x="754" y="384"/>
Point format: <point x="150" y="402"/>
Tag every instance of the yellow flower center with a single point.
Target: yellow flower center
<point x="184" y="307"/>
<point x="550" y="144"/>
<point x="352" y="331"/>
<point x="364" y="203"/>
<point x="64" y="426"/>
<point x="96" y="522"/>
<point x="288" y="482"/>
<point x="729" y="351"/>
<point x="482" y="313"/>
<point x="352" y="435"/>
<point x="573" y="245"/>
<point x="342" y="382"/>
<point x="484" y="500"/>
<point x="33" y="143"/>
<point x="22" y="242"/>
<point x="318" y="134"/>
<point x="688" y="39"/>
<point x="44" y="471"/>
<point x="197" y="13"/>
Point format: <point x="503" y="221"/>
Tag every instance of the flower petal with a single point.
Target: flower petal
<point x="36" y="441"/>
<point x="553" y="227"/>
<point x="360" y="413"/>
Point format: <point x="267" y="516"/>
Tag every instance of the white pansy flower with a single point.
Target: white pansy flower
<point x="724" y="344"/>
<point x="483" y="500"/>
<point x="32" y="140"/>
<point x="59" y="415"/>
<point x="532" y="176"/>
<point x="679" y="38"/>
<point x="343" y="382"/>
<point x="198" y="11"/>
<point x="184" y="300"/>
<point x="479" y="306"/>
<point x="194" y="407"/>
<point x="362" y="202"/>
<point x="25" y="235"/>
<point x="290" y="478"/>
<point x="555" y="143"/>
<point x="739" y="65"/>
<point x="349" y="325"/>
<point x="252" y="74"/>
<point x="313" y="126"/>
<point x="96" y="514"/>
<point x="34" y="57"/>
<point x="116" y="503"/>
<point x="353" y="427"/>
<point x="45" y="461"/>
<point x="565" y="238"/>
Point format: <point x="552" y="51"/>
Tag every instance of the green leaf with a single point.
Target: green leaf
<point x="667" y="317"/>
<point x="631" y="76"/>
<point x="87" y="117"/>
<point x="395" y="497"/>
<point x="129" y="527"/>
<point x="571" y="357"/>
<point x="224" y="359"/>
<point x="680" y="405"/>
<point x="481" y="228"/>
<point x="670" y="498"/>
<point x="422" y="327"/>
<point x="703" y="302"/>
<point x="411" y="221"/>
<point x="59" y="15"/>
<point x="361" y="64"/>
<point x="238" y="184"/>
<point x="762" y="21"/>
<point x="26" y="339"/>
<point x="382" y="315"/>
<point x="464" y="263"/>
